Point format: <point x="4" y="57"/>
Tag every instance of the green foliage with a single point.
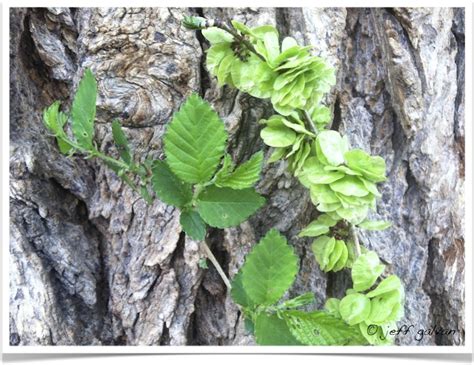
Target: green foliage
<point x="322" y="329"/>
<point x="365" y="270"/>
<point x="244" y="176"/>
<point x="193" y="225"/>
<point x="331" y="254"/>
<point x="168" y="187"/>
<point x="194" y="145"/>
<point x="272" y="330"/>
<point x="270" y="269"/>
<point x="83" y="110"/>
<point x="226" y="207"/>
<point x="121" y="142"/>
<point x="195" y="141"/>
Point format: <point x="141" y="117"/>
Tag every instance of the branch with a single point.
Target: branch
<point x="216" y="264"/>
<point x="355" y="239"/>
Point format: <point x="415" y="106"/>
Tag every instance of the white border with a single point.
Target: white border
<point x="4" y="199"/>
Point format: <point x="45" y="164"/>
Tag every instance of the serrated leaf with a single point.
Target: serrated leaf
<point x="168" y="187"/>
<point x="299" y="301"/>
<point x="192" y="224"/>
<point x="55" y="120"/>
<point x="270" y="330"/>
<point x="365" y="271"/>
<point x="83" y="110"/>
<point x="238" y="293"/>
<point x="374" y="225"/>
<point x="270" y="269"/>
<point x="321" y="329"/>
<point x="226" y="207"/>
<point x="121" y="142"/>
<point x="194" y="141"/>
<point x="244" y="176"/>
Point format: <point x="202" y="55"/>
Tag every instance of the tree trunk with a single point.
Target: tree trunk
<point x="92" y="264"/>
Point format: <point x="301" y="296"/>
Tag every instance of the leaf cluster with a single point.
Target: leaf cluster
<point x="287" y="73"/>
<point x="268" y="272"/>
<point x="198" y="176"/>
<point x="365" y="305"/>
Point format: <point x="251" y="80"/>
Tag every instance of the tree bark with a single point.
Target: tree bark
<point x="92" y="264"/>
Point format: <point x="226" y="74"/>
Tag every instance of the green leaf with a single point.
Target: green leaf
<point x="226" y="168"/>
<point x="216" y="35"/>
<point x="64" y="146"/>
<point x="321" y="329"/>
<point x="322" y="248"/>
<point x="390" y="283"/>
<point x="215" y="55"/>
<point x="314" y="229"/>
<point x="193" y="225"/>
<point x="121" y="142"/>
<point x="386" y="308"/>
<point x="373" y="168"/>
<point x="168" y="187"/>
<point x="332" y="307"/>
<point x="354" y="215"/>
<point x="278" y="136"/>
<point x="349" y="185"/>
<point x="52" y="120"/>
<point x="342" y="261"/>
<point x="323" y="194"/>
<point x="202" y="263"/>
<point x="225" y="207"/>
<point x="365" y="271"/>
<point x="354" y="308"/>
<point x="238" y="292"/>
<point x="194" y="141"/>
<point x="273" y="331"/>
<point x="244" y="176"/>
<point x="145" y="194"/>
<point x="276" y="155"/>
<point x="83" y="110"/>
<point x="270" y="269"/>
<point x="330" y="148"/>
<point x="374" y="225"/>
<point x="299" y="301"/>
<point x="55" y="120"/>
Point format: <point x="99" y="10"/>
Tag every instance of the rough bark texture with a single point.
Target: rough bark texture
<point x="92" y="264"/>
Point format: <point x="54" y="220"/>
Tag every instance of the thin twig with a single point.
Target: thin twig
<point x="218" y="267"/>
<point x="355" y="239"/>
<point x="230" y="30"/>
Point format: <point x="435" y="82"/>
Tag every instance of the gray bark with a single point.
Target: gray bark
<point x="92" y="264"/>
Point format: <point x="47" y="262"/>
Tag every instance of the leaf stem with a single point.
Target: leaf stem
<point x="309" y="121"/>
<point x="216" y="264"/>
<point x="229" y="29"/>
<point x="355" y="239"/>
